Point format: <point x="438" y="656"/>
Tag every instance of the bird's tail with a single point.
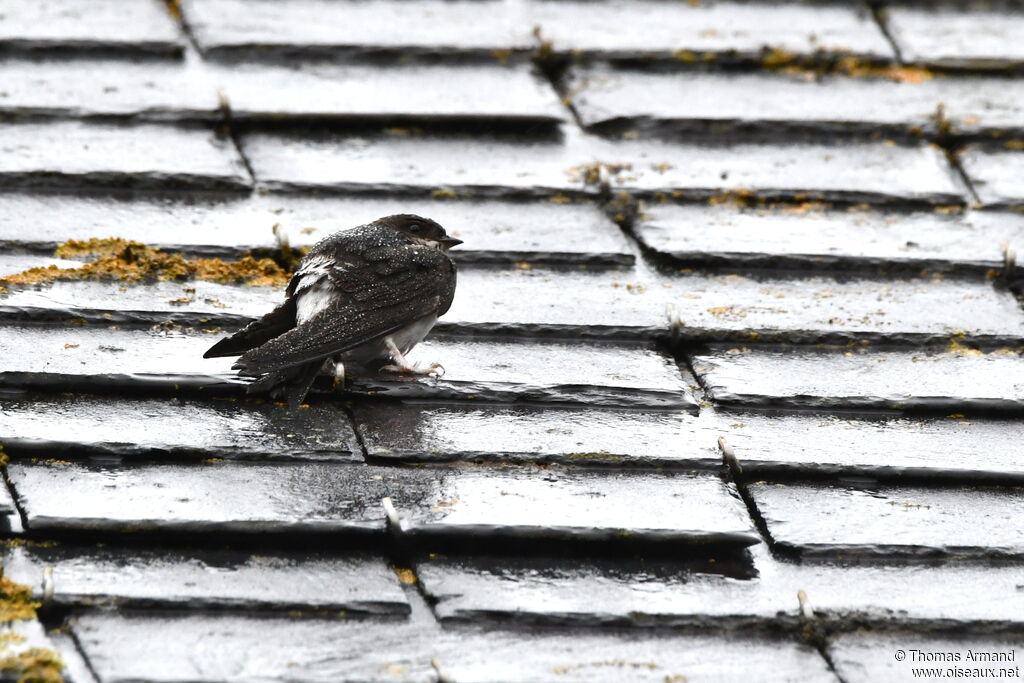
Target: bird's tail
<point x="291" y="384"/>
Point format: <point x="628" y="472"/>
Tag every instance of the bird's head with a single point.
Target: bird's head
<point x="419" y="230"/>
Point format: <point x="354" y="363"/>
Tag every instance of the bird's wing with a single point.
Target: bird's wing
<point x="378" y="293"/>
<point x="259" y="331"/>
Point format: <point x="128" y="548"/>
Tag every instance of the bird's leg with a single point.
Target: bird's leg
<point x="401" y="363"/>
<point x="339" y="375"/>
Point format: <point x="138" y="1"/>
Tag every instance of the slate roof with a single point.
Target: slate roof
<point x="734" y="384"/>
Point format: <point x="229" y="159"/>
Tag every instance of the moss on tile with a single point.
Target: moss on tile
<point x="130" y="261"/>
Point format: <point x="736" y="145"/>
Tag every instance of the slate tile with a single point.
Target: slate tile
<point x="440" y="93"/>
<point x="74" y="154"/>
<point x="87" y="576"/>
<point x="10" y="518"/>
<point x="585" y="373"/>
<point x="147" y="89"/>
<point x="581" y="505"/>
<point x="874" y="656"/>
<point x="214" y="497"/>
<point x="820" y="520"/>
<point x="321" y="27"/>
<point x="993" y="173"/>
<point x="843" y="309"/>
<point x="143" y="26"/>
<point x="493" y="230"/>
<point x="453" y="504"/>
<point x="173" y="428"/>
<point x="689" y="31"/>
<point x="773" y="102"/>
<point x="431" y="433"/>
<point x="231" y="648"/>
<point x="808" y="237"/>
<point x="955" y="449"/>
<point x="662" y="592"/>
<point x="397" y="161"/>
<point x="858" y="171"/>
<point x="975" y="35"/>
<point x="594" y="374"/>
<point x="957" y="381"/>
<point x="526" y="301"/>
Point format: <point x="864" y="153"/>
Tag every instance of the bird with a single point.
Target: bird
<point x="364" y="296"/>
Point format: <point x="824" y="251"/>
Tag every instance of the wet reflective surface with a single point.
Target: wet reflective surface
<point x="966" y="35"/>
<point x="955" y="448"/>
<point x="73" y="154"/>
<point x="136" y="25"/>
<point x="724" y="593"/>
<point x="993" y="172"/>
<point x="562" y="233"/>
<point x="819" y="239"/>
<point x="870" y="520"/>
<point x="168" y="428"/>
<point x="622" y="438"/>
<point x="123" y="577"/>
<point x="890" y="379"/>
<point x="236" y="648"/>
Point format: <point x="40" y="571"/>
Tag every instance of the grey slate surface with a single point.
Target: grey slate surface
<point x="733" y="382"/>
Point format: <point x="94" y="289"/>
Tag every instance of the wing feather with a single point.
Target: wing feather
<point x="375" y="299"/>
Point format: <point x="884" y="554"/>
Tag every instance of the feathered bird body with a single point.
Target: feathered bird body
<point x="362" y="296"/>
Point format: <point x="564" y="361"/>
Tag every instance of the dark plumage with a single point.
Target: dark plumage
<point x="360" y="296"/>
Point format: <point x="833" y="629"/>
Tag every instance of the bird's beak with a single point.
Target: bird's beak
<point x="450" y="242"/>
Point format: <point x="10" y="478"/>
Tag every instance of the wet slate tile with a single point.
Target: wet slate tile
<point x="132" y="26"/>
<point x="972" y="35"/>
<point x="822" y="238"/>
<point x="324" y="27"/>
<point x="621" y="303"/>
<point x="958" y="381"/>
<point x="10" y="518"/>
<point x="585" y="373"/>
<point x="727" y="29"/>
<point x="402" y="93"/>
<point x="147" y="89"/>
<point x="580" y="505"/>
<point x="75" y="154"/>
<point x="861" y="171"/>
<point x="820" y="520"/>
<point x="430" y="433"/>
<point x="993" y="172"/>
<point x="649" y="592"/>
<point x="108" y="576"/>
<point x="958" y="449"/>
<point x="819" y="308"/>
<point x="899" y="655"/>
<point x="593" y="374"/>
<point x="770" y="102"/>
<point x="214" y="497"/>
<point x="49" y="425"/>
<point x="525" y="301"/>
<point x="230" y="648"/>
<point x="539" y="232"/>
<point x="396" y="161"/>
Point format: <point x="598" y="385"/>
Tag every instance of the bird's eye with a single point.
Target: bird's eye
<point x="415" y="227"/>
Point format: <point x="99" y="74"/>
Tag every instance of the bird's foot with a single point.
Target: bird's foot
<point x="407" y="368"/>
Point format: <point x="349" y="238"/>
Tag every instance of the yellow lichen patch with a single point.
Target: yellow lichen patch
<point x="34" y="666"/>
<point x="741" y="197"/>
<point x="502" y="55"/>
<point x="560" y="199"/>
<point x="406" y="576"/>
<point x="1014" y="144"/>
<point x="128" y="261"/>
<point x="444" y="193"/>
<point x="851" y="66"/>
<point x="16" y="601"/>
<point x="804" y="208"/>
<point x="4" y="458"/>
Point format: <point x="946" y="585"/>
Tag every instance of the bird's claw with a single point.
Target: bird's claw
<point x="435" y="369"/>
